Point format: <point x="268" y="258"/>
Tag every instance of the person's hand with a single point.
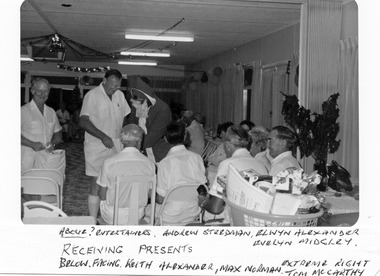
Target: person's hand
<point x="49" y="147"/>
<point x="37" y="146"/>
<point x="107" y="142"/>
<point x="201" y="200"/>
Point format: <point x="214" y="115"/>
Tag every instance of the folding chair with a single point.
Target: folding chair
<point x="42" y="186"/>
<point x="34" y="209"/>
<point x="184" y="193"/>
<point x="134" y="191"/>
<point x="209" y="148"/>
<point x="54" y="174"/>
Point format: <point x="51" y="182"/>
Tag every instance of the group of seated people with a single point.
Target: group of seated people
<point x="266" y="152"/>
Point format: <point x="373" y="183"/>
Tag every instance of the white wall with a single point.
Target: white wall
<point x="271" y="48"/>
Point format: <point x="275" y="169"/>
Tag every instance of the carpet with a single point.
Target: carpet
<point x="77" y="183"/>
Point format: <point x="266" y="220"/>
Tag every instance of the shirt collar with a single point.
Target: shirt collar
<point x="281" y="156"/>
<point x="241" y="151"/>
<point x="130" y="149"/>
<point x="177" y="148"/>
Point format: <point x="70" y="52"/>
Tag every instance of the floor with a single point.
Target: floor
<point x="76" y="187"/>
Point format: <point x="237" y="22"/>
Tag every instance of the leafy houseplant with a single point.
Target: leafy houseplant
<point x="316" y="133"/>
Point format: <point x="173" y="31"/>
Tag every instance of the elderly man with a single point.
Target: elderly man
<point x="152" y="114"/>
<point x="40" y="128"/>
<point x="196" y="132"/>
<point x="235" y="144"/>
<point x="180" y="166"/>
<point x="129" y="162"/>
<point x="281" y="142"/>
<point x="103" y="111"/>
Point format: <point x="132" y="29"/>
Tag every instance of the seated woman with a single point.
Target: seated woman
<point x="259" y="136"/>
<point x="219" y="155"/>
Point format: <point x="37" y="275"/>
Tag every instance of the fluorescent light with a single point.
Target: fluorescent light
<point x="148" y="63"/>
<point x="160" y="37"/>
<point x="25" y="58"/>
<point x="145" y="54"/>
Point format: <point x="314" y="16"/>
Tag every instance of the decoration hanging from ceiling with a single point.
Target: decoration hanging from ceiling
<point x="82" y="69"/>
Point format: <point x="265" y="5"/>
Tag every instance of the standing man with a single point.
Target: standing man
<point x="103" y="111"/>
<point x="196" y="132"/>
<point x="40" y="128"/>
<point x="64" y="120"/>
<point x="153" y="115"/>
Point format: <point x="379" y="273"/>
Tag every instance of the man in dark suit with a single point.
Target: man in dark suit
<point x="152" y="114"/>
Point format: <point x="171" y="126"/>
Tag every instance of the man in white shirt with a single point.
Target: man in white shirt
<point x="40" y="129"/>
<point x="180" y="166"/>
<point x="235" y="144"/>
<point x="64" y="119"/>
<point x="281" y="141"/>
<point x="103" y="112"/>
<point x="196" y="132"/>
<point x="129" y="162"/>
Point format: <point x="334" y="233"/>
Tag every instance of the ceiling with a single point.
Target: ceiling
<point x="93" y="30"/>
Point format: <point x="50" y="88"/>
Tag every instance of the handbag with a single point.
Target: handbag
<point x="339" y="178"/>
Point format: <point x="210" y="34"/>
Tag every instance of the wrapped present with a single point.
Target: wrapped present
<point x="295" y="181"/>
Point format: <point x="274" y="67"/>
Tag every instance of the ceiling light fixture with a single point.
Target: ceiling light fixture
<point x="145" y="54"/>
<point x="159" y="37"/>
<point x="26" y="58"/>
<point x="147" y="63"/>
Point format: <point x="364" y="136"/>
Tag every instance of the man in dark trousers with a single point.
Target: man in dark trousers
<point x="152" y="114"/>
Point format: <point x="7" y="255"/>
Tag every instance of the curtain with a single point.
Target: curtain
<point x="257" y="96"/>
<point x="319" y="56"/>
<point x="220" y="99"/>
<point x="274" y="81"/>
<point x="348" y="153"/>
<point x="320" y="34"/>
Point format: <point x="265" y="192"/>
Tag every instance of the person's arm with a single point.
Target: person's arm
<point x="56" y="139"/>
<point x="87" y="125"/>
<point x="102" y="192"/>
<point x="36" y="146"/>
<point x="159" y="199"/>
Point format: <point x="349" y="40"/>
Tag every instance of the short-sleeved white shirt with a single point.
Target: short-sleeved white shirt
<point x="282" y="162"/>
<point x="106" y="115"/>
<point x="37" y="127"/>
<point x="241" y="159"/>
<point x="129" y="162"/>
<point x="180" y="166"/>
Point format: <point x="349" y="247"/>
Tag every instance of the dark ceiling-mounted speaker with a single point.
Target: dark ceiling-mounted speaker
<point x="86" y="80"/>
<point x="43" y="53"/>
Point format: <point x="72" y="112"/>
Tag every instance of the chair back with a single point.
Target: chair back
<point x="41" y="186"/>
<point x="209" y="148"/>
<point x="34" y="209"/>
<point x="54" y="174"/>
<point x="180" y="193"/>
<point x="132" y="192"/>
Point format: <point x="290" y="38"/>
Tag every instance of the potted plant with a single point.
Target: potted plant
<point x="316" y="133"/>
